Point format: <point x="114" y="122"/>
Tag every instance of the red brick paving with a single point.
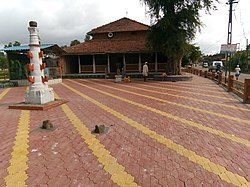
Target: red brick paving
<point x="62" y="158"/>
<point x="8" y="126"/>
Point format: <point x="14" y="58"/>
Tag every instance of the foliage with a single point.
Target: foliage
<point x="176" y="22"/>
<point x="16" y="43"/>
<point x="215" y="57"/>
<point x="87" y="37"/>
<point x="192" y="54"/>
<point x="239" y="58"/>
<point x="10" y="44"/>
<point x="3" y="61"/>
<point x="64" y="46"/>
<point x="74" y="42"/>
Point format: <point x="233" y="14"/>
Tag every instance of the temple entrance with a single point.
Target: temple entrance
<point x="116" y="62"/>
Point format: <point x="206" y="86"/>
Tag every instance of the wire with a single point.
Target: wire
<point x="210" y="46"/>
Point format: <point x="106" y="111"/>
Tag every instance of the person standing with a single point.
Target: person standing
<point x="145" y="71"/>
<point x="237" y="72"/>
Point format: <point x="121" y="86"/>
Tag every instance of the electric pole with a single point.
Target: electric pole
<point x="230" y="27"/>
<point x="247" y="54"/>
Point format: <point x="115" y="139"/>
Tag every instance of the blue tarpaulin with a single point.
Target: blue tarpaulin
<point x="24" y="47"/>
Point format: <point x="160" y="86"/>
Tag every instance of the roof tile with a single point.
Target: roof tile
<point x="121" y="25"/>
<point x="108" y="46"/>
<point x="121" y="44"/>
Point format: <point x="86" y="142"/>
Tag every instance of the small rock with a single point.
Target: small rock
<point x="47" y="125"/>
<point x="100" y="129"/>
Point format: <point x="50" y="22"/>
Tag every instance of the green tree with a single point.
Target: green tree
<point x="175" y="25"/>
<point x="64" y="46"/>
<point x="10" y="44"/>
<point x="3" y="61"/>
<point x="74" y="42"/>
<point x="239" y="58"/>
<point x="16" y="43"/>
<point x="87" y="37"/>
<point x="192" y="53"/>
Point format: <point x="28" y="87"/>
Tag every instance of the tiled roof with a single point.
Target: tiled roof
<point x="121" y="25"/>
<point x="121" y="44"/>
<point x="108" y="46"/>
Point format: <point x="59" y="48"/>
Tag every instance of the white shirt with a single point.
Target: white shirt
<point x="237" y="70"/>
<point x="145" y="70"/>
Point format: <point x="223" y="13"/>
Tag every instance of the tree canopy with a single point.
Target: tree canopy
<point x="175" y="23"/>
<point x="3" y="61"/>
<point x="192" y="54"/>
<point x="240" y="58"/>
<point x="87" y="37"/>
<point x="10" y="44"/>
<point x="74" y="42"/>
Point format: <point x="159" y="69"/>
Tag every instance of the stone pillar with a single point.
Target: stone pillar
<point x="124" y="63"/>
<point x="108" y="63"/>
<point x="94" y="68"/>
<point x="39" y="92"/>
<point x="156" y="63"/>
<point x="79" y="64"/>
<point x="139" y="62"/>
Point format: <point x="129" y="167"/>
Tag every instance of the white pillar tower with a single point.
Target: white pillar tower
<point x="39" y="92"/>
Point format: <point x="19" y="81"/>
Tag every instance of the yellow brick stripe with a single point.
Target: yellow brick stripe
<point x="188" y="92"/>
<point x="217" y="169"/>
<point x="4" y="92"/>
<point x="184" y="97"/>
<point x="190" y="83"/>
<point x="117" y="171"/>
<point x="177" y="118"/>
<point x="191" y="88"/>
<point x="183" y="106"/>
<point x="18" y="162"/>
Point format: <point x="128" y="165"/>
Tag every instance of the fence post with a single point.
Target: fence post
<point x="205" y="74"/>
<point x="200" y="72"/>
<point x="246" y="97"/>
<point x="213" y="75"/>
<point x="230" y="82"/>
<point x="220" y="78"/>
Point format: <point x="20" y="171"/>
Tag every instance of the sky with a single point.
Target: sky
<point x="61" y="21"/>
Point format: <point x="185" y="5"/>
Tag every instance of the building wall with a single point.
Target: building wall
<point x="132" y="35"/>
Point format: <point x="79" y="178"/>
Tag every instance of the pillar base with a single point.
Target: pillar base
<point x="39" y="96"/>
<point x="118" y="78"/>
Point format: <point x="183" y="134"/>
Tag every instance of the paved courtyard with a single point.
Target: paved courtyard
<point x="176" y="134"/>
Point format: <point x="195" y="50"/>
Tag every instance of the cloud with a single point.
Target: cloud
<point x="215" y="31"/>
<point x="61" y="21"/>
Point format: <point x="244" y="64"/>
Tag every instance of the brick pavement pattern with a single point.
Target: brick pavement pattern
<point x="190" y="133"/>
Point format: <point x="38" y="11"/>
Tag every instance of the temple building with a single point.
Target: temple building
<point x="117" y="45"/>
